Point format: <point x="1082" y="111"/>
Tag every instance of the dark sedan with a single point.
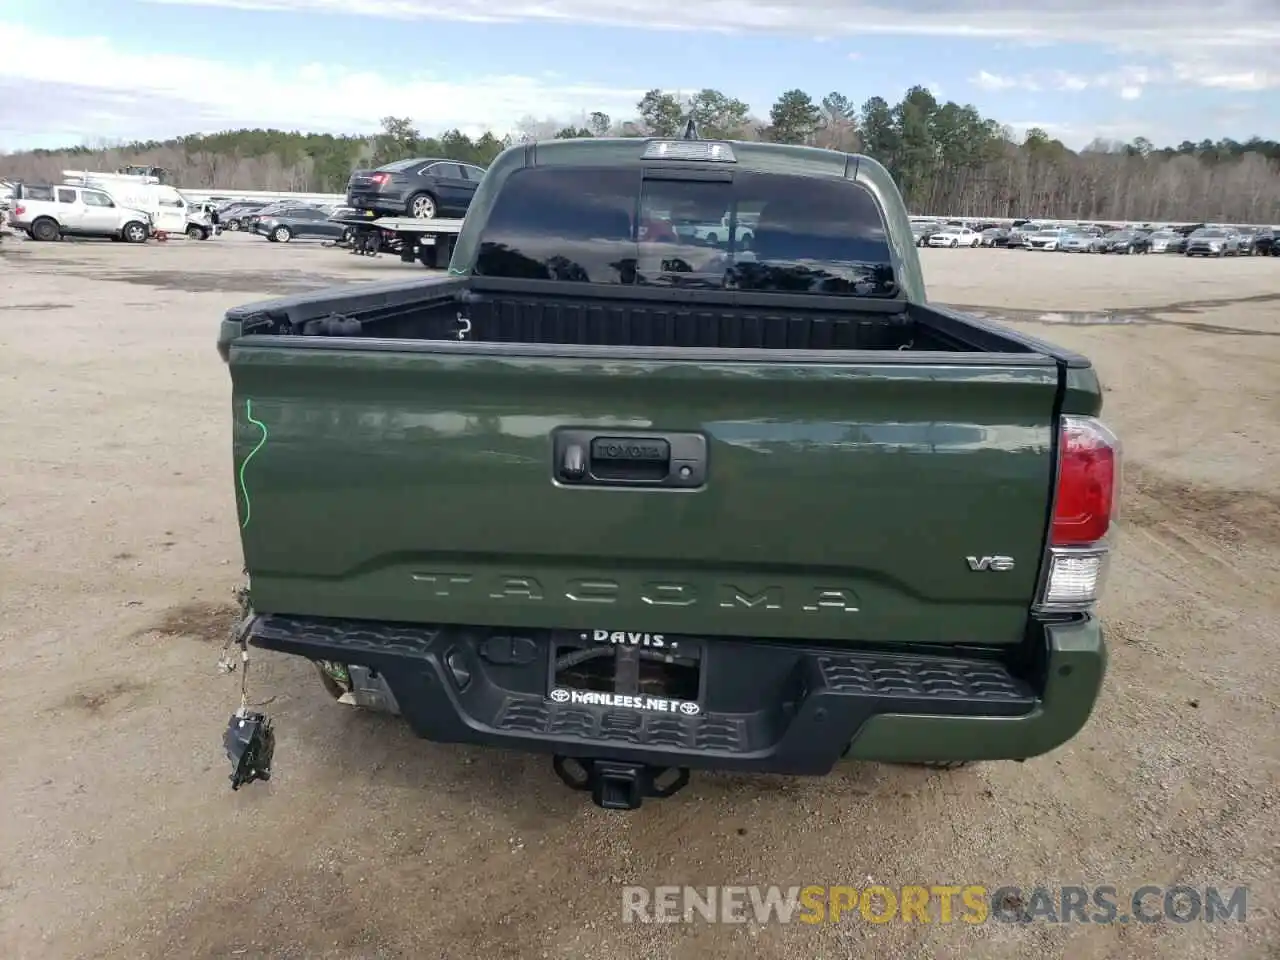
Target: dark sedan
<point x="420" y="187"/>
<point x="1124" y="241"/>
<point x="994" y="237"/>
<point x="302" y="222"/>
<point x="249" y="221"/>
<point x="1264" y="242"/>
<point x="921" y="232"/>
<point x="231" y="215"/>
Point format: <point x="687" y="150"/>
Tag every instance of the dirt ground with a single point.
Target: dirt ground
<point x="118" y="553"/>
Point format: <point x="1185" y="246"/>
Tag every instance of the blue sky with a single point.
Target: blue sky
<point x="1079" y="68"/>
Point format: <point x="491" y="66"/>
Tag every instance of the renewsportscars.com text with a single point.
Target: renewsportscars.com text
<point x="935" y="903"/>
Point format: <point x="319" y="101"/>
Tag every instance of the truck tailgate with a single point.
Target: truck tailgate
<point x="848" y="500"/>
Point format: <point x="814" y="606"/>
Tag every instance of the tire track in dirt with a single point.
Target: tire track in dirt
<point x="1221" y="515"/>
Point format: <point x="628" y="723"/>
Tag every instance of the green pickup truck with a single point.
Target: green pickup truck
<point x="649" y="501"/>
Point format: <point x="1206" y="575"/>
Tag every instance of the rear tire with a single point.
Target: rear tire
<point x="422" y="206"/>
<point x="281" y="235"/>
<point x="134" y="232"/>
<point x="46" y="230"/>
<point x="196" y="233"/>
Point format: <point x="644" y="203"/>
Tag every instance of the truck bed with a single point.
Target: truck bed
<point x="502" y="311"/>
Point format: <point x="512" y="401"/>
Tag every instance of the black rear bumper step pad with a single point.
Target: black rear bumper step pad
<point x="767" y="706"/>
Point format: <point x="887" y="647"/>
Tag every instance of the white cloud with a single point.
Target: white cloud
<point x="1204" y="71"/>
<point x="1234" y="48"/>
<point x="1162" y="28"/>
<point x="107" y="92"/>
<point x="993" y="81"/>
<point x="1127" y="81"/>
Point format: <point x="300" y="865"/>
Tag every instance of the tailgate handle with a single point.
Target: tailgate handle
<point x="585" y="457"/>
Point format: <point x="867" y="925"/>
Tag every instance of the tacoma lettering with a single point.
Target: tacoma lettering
<point x="445" y="584"/>
<point x="842" y="601"/>
<point x="669" y="594"/>
<point x="592" y="591"/>
<point x="770" y="598"/>
<point x="520" y="588"/>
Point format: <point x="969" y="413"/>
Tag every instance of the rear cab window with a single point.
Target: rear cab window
<point x="761" y="232"/>
<point x="66" y="195"/>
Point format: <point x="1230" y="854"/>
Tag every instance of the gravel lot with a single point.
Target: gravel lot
<point x="119" y="550"/>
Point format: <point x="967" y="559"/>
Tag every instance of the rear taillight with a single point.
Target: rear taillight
<point x="19" y="210"/>
<point x="380" y="178"/>
<point x="1088" y="466"/>
<point x="1085" y="504"/>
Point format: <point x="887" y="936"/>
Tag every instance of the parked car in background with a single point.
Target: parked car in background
<point x="1264" y="243"/>
<point x="285" y="207"/>
<point x="1124" y="241"/>
<point x="419" y="187"/>
<point x="1018" y="235"/>
<point x="300" y="222"/>
<point x="1076" y="241"/>
<point x="48" y="212"/>
<point x="930" y="229"/>
<point x="955" y="237"/>
<point x="994" y="237"/>
<point x="231" y="214"/>
<point x="1248" y="238"/>
<point x="1213" y="242"/>
<point x="1167" y="241"/>
<point x="1046" y="239"/>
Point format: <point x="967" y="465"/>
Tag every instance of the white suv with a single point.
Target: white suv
<point x="50" y="212"/>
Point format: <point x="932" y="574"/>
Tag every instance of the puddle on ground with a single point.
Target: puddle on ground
<point x="270" y="282"/>
<point x="1075" y="318"/>
<point x="1147" y="316"/>
<point x="274" y="281"/>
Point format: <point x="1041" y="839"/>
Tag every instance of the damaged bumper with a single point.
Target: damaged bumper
<point x="734" y="704"/>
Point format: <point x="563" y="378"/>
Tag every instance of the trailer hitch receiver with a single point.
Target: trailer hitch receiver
<point x="619" y="786"/>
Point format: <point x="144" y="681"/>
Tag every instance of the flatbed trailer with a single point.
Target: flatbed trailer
<point x="430" y="242"/>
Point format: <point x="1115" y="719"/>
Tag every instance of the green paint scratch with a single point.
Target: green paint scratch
<point x="262" y="441"/>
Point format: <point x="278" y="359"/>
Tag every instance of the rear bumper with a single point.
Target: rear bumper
<point x="765" y="707"/>
<point x="391" y="203"/>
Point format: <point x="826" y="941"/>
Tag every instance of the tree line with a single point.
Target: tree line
<point x="946" y="157"/>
